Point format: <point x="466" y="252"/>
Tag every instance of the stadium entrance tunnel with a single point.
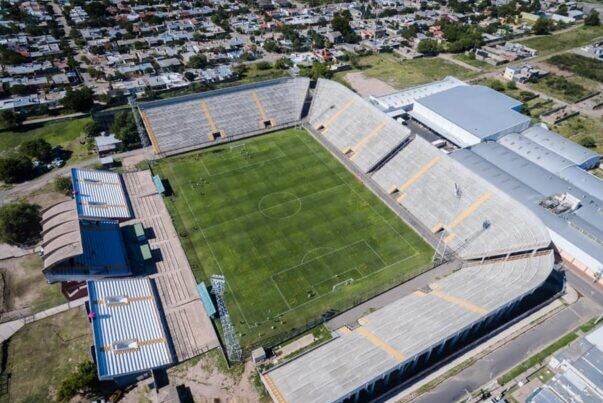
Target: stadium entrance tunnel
<point x="412" y="371"/>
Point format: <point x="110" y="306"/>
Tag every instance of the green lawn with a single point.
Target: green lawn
<point x="587" y="67"/>
<point x="563" y="41"/>
<point x="577" y="127"/>
<point x="44" y="353"/>
<point x="67" y="133"/>
<point x="569" y="89"/>
<point x="407" y="73"/>
<point x="474" y="62"/>
<point x="294" y="233"/>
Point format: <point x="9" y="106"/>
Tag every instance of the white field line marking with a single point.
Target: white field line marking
<point x="327" y="294"/>
<point x="281" y="293"/>
<point x="318" y="257"/>
<point x="303" y="259"/>
<point x="371" y="207"/>
<point x="262" y="210"/>
<point x="301" y="199"/>
<point x="283" y="154"/>
<point x="208" y="245"/>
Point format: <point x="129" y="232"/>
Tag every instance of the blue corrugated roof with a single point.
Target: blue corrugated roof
<point x="206" y="299"/>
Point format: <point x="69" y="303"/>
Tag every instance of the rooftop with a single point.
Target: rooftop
<point x="128" y="331"/>
<point x="479" y="110"/>
<point x="99" y="194"/>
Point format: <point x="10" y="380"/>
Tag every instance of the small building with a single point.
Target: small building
<point x="523" y="73"/>
<point x="107" y="144"/>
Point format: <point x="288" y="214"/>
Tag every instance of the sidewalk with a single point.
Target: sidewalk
<point x="8" y="329"/>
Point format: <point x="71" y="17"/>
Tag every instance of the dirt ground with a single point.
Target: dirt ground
<point x="208" y="379"/>
<point x="26" y="290"/>
<point x="366" y="86"/>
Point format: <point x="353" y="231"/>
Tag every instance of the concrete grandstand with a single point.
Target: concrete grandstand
<point x="116" y="227"/>
<point x="474" y="203"/>
<point x="195" y="121"/>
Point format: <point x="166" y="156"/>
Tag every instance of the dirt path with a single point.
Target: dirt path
<point x="366" y="86"/>
<point x="208" y="380"/>
<point x="450" y="57"/>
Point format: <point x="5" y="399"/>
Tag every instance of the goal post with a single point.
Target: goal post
<point x="342" y="283"/>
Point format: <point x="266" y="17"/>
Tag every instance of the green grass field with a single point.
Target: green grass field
<point x="407" y="73"/>
<point x="565" y="40"/>
<point x="67" y="133"/>
<point x="295" y="234"/>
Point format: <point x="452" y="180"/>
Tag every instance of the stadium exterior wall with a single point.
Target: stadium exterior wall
<point x="574" y="255"/>
<point x="453" y="132"/>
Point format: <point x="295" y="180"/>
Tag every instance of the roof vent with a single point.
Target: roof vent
<point x="114" y="300"/>
<point x="124" y="346"/>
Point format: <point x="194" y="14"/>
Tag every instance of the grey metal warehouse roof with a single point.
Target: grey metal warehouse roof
<point x="99" y="194"/>
<point x="479" y="110"/>
<point x="532" y="151"/>
<point x="128" y="332"/>
<point x="528" y="184"/>
<point x="405" y="329"/>
<point x="566" y="148"/>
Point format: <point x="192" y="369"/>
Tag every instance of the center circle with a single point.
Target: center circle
<point x="279" y="205"/>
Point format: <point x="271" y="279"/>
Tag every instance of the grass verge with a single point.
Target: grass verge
<point x="548" y="44"/>
<point x="44" y="353"/>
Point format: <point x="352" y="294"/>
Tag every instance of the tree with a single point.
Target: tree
<point x="62" y="184"/>
<point x="592" y="18"/>
<point x="283" y="63"/>
<point x="542" y="26"/>
<point x="197" y="62"/>
<point x="429" y="47"/>
<point x="83" y="380"/>
<point x="511" y="85"/>
<point x="125" y="129"/>
<point x="80" y="100"/>
<point x="587" y="141"/>
<point x="318" y="70"/>
<point x="562" y="9"/>
<point x="93" y="129"/>
<point x="39" y="149"/>
<point x="20" y="223"/>
<point x="15" y="169"/>
<point x="263" y="65"/>
<point x="496" y="85"/>
<point x="341" y="23"/>
<point x="10" y="119"/>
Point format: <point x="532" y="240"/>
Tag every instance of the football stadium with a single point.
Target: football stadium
<point x="293" y="201"/>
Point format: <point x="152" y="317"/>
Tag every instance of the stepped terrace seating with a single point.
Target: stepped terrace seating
<point x="354" y="126"/>
<point x="201" y="120"/>
<point x="472" y="217"/>
<point x="391" y="338"/>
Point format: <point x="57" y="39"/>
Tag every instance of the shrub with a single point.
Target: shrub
<point x="62" y="184"/>
<point x="83" y="380"/>
<point x="20" y="223"/>
<point x="39" y="149"/>
<point x="15" y="169"/>
<point x="587" y="141"/>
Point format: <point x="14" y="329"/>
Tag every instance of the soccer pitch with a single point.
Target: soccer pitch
<point x="295" y="234"/>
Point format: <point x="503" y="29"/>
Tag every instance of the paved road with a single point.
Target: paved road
<point x="585" y="286"/>
<point x="506" y="357"/>
<point x="25" y="188"/>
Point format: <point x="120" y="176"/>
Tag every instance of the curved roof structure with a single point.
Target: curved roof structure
<point x="564" y="147"/>
<point x="75" y="248"/>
